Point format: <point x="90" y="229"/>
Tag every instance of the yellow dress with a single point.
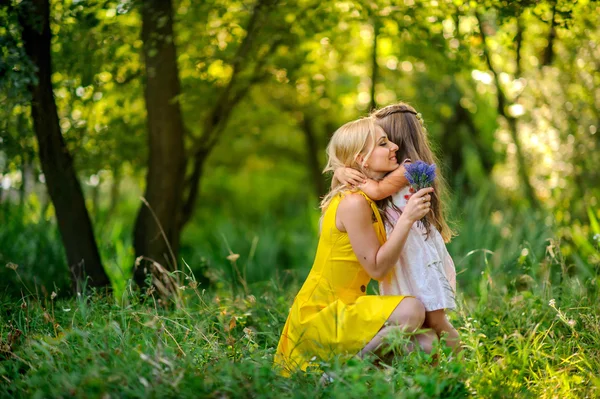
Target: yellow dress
<point x="332" y="315"/>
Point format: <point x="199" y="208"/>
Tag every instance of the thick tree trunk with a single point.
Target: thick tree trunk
<point x="156" y="234"/>
<point x="64" y="188"/>
<point x="312" y="149"/>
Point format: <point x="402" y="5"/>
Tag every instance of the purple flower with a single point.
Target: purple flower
<point x="420" y="174"/>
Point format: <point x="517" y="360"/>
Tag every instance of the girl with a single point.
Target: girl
<point x="332" y="315"/>
<point x="424" y="268"/>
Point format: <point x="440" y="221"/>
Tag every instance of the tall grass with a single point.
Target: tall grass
<point x="521" y="344"/>
<point x="28" y="240"/>
<point x="272" y="245"/>
<point x="529" y="326"/>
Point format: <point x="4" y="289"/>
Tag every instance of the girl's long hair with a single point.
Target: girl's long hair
<point x="347" y="143"/>
<point x="404" y="128"/>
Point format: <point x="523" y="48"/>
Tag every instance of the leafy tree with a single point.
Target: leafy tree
<point x="63" y="186"/>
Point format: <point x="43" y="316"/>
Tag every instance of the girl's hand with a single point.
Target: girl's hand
<point x="349" y="177"/>
<point x="418" y="205"/>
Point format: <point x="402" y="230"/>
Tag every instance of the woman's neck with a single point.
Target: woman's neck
<point x="375" y="175"/>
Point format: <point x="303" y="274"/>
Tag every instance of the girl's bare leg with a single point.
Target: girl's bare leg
<point x="408" y="316"/>
<point x="438" y="321"/>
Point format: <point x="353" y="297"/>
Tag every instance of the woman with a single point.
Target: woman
<point x="425" y="269"/>
<point x="332" y="315"/>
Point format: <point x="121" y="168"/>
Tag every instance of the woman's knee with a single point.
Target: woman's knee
<point x="410" y="314"/>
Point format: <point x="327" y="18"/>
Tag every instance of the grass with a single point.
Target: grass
<point x="517" y="344"/>
<point x="530" y="326"/>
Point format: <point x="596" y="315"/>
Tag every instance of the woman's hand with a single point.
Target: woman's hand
<point x="349" y="177"/>
<point x="418" y="205"/>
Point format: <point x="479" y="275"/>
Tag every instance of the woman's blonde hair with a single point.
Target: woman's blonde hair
<point x="404" y="127"/>
<point x="344" y="149"/>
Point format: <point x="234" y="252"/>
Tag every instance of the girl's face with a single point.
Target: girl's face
<point x="383" y="157"/>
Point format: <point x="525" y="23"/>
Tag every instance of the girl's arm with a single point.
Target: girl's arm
<point x="354" y="216"/>
<point x="348" y="177"/>
<point x="390" y="184"/>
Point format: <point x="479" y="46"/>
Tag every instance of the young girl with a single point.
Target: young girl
<point x="424" y="268"/>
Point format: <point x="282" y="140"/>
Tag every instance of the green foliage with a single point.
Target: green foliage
<point x="35" y="247"/>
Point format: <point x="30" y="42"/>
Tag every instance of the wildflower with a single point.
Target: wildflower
<point x="552" y="303"/>
<point x="233" y="257"/>
<point x="571" y="323"/>
<point x="53" y="295"/>
<point x="12" y="266"/>
<point x="420" y="174"/>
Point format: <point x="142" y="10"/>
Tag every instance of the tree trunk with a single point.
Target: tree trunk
<point x="312" y="149"/>
<point x="512" y="122"/>
<point x="156" y="234"/>
<point x="25" y="161"/>
<point x="219" y="115"/>
<point x="374" y="69"/>
<point x="549" y="50"/>
<point x="57" y="164"/>
<point x="518" y="45"/>
<point x="115" y="191"/>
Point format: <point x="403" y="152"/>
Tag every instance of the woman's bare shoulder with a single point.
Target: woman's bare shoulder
<point x="353" y="202"/>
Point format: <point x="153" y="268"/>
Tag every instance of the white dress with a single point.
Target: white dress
<point x="425" y="269"/>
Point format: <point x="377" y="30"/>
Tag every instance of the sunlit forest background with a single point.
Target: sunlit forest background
<point x="188" y="138"/>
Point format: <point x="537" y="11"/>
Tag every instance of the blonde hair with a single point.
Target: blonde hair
<point x="347" y="143"/>
<point x="404" y="128"/>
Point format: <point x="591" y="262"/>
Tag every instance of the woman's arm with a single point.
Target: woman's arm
<point x="354" y="216"/>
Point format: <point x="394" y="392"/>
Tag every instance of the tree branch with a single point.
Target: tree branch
<point x="512" y="122"/>
<point x="549" y="51"/>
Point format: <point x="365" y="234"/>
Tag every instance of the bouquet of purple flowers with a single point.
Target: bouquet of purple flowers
<point x="420" y="174"/>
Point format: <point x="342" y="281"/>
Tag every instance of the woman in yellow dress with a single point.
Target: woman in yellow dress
<point x="332" y="315"/>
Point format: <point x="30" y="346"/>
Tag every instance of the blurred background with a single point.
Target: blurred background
<point x="218" y="113"/>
